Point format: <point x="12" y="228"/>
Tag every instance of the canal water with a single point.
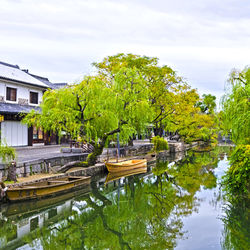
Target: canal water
<point x="176" y="204"/>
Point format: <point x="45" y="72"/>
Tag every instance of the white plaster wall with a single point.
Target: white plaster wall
<point x="22" y="91"/>
<point x="14" y="133"/>
<point x="2" y="86"/>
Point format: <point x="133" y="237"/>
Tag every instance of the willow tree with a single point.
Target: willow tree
<point x="159" y="81"/>
<point x="236" y="106"/>
<point x="96" y="109"/>
<point x="236" y="117"/>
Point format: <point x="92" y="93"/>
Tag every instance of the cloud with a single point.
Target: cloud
<point x="202" y="40"/>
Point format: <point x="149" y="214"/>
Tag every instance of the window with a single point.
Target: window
<point x="11" y="94"/>
<point x="33" y="97"/>
<point x="37" y="133"/>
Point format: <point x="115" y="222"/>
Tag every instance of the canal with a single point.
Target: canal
<point x="176" y="204"/>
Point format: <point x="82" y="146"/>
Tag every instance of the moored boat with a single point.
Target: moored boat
<point x="46" y="188"/>
<point x="126" y="165"/>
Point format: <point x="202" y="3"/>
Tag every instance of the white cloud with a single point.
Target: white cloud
<point x="202" y="40"/>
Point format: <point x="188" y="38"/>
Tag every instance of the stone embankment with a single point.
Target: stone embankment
<point x="32" y="170"/>
<point x="27" y="167"/>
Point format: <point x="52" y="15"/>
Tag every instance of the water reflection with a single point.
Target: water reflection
<point x="20" y="219"/>
<point x="236" y="234"/>
<point x="143" y="211"/>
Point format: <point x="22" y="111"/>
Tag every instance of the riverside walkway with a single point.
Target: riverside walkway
<point x="37" y="152"/>
<point x="32" y="153"/>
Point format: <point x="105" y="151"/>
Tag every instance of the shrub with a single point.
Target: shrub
<point x="237" y="178"/>
<point x="7" y="153"/>
<point x="159" y="143"/>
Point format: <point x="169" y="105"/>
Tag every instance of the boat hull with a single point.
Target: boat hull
<point x="46" y="188"/>
<point x="126" y="165"/>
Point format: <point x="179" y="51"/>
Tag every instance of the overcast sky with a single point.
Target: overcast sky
<point x="201" y="39"/>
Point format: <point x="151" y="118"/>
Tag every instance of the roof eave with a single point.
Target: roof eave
<point x="26" y="83"/>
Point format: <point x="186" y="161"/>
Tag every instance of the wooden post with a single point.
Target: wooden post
<point x="24" y="170"/>
<point x="107" y="154"/>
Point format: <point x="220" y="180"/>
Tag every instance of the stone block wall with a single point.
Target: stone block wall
<point x="42" y="166"/>
<point x="126" y="151"/>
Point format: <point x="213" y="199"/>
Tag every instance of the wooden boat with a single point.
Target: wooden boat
<point x="126" y="165"/>
<point x="117" y="175"/>
<point x="28" y="207"/>
<point x="46" y="188"/>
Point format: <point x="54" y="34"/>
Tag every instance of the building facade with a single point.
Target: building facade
<point x="20" y="92"/>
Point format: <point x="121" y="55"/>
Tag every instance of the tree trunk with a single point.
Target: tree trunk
<point x="12" y="172"/>
<point x="158" y="131"/>
<point x="98" y="148"/>
<point x="2" y="192"/>
<point x="130" y="142"/>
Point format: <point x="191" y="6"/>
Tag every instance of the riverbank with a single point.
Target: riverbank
<point x="42" y="160"/>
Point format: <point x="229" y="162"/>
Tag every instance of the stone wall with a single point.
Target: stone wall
<point x="42" y="166"/>
<point x="90" y="171"/>
<point x="126" y="151"/>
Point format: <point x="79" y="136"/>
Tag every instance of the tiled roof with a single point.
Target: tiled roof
<point x="60" y="85"/>
<point x="47" y="82"/>
<point x="16" y="108"/>
<point x="43" y="79"/>
<point x="13" y="73"/>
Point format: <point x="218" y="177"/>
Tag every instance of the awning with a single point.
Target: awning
<point x="9" y="108"/>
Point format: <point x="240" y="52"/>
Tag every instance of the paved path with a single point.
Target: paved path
<point x="42" y="152"/>
<point x="37" y="152"/>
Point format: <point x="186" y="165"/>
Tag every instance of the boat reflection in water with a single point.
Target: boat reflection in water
<point x="118" y="175"/>
<point x="23" y="218"/>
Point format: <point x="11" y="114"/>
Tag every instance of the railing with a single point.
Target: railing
<point x="87" y="148"/>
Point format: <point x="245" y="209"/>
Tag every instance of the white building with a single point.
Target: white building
<point x="20" y="92"/>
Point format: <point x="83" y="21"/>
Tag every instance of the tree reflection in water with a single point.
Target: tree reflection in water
<point x="148" y="212"/>
<point x="236" y="233"/>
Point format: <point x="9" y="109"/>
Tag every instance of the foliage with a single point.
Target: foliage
<point x="236" y="106"/>
<point x="7" y="153"/>
<point x="96" y="109"/>
<point x="236" y="225"/>
<point x="128" y="94"/>
<point x="194" y="171"/>
<point x="237" y="179"/>
<point x="172" y="101"/>
<point x="207" y="104"/>
<point x="159" y="81"/>
<point x="236" y="121"/>
<point x="159" y="144"/>
<point x="188" y="120"/>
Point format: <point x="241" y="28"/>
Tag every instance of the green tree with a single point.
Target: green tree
<point x="159" y="81"/>
<point x="96" y="109"/>
<point x="207" y="104"/>
<point x="236" y="119"/>
<point x="236" y="106"/>
<point x="188" y="120"/>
